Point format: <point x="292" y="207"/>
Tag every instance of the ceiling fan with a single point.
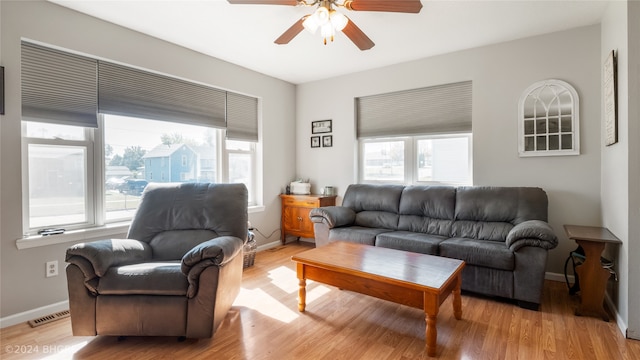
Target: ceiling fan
<point x="328" y="20"/>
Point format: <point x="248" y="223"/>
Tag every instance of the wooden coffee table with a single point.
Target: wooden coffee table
<point x="416" y="280"/>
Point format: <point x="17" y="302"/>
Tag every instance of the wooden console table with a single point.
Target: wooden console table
<point x="593" y="277"/>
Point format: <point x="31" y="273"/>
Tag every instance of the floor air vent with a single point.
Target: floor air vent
<point x="49" y="318"/>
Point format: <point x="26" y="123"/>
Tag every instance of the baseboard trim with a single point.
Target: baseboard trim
<point x="557" y="277"/>
<point x="268" y="246"/>
<point x="33" y="314"/>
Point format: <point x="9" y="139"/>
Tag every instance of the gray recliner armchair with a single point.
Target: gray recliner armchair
<point x="176" y="274"/>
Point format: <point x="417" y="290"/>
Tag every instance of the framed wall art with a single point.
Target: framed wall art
<point x="315" y="141"/>
<point x="327" y="141"/>
<point x="610" y="88"/>
<point x="321" y="126"/>
<point x="1" y="90"/>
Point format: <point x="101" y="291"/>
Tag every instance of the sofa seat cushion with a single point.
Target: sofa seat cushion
<point x="491" y="254"/>
<point x="152" y="278"/>
<point x="410" y="241"/>
<point x="356" y="234"/>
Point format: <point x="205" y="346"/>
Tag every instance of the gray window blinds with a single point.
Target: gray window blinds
<point x="435" y="109"/>
<point x="58" y="87"/>
<point x="242" y="117"/>
<point x="64" y="88"/>
<point x="130" y="92"/>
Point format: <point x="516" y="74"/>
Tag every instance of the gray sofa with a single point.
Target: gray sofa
<point x="176" y="274"/>
<point x="500" y="232"/>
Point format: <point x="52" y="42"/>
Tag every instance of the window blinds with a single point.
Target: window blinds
<point x="64" y="88"/>
<point x="435" y="109"/>
<point x="58" y="87"/>
<point x="242" y="117"/>
<point x="130" y="92"/>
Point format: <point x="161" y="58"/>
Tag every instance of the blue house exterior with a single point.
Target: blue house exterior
<point x="171" y="163"/>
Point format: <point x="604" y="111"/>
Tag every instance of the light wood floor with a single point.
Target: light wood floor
<point x="264" y="324"/>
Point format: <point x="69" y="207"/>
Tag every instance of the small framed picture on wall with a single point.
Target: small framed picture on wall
<point x="315" y="141"/>
<point x="322" y="126"/>
<point x="327" y="141"/>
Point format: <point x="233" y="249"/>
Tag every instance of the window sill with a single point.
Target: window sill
<point x="88" y="234"/>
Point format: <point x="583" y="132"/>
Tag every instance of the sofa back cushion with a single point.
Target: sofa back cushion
<point x="173" y="244"/>
<point x="367" y="197"/>
<point x="375" y="205"/>
<point x="377" y="219"/>
<point x="489" y="213"/>
<point x="427" y="209"/>
<point x="500" y="204"/>
<point x="481" y="230"/>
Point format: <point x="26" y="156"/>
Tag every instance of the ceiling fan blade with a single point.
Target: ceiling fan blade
<point x="290" y="33"/>
<point x="358" y="37"/>
<point x="265" y="2"/>
<point x="403" y="6"/>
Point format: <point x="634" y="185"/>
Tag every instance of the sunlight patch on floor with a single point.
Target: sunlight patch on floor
<point x="265" y="304"/>
<point x="284" y="278"/>
<point x="316" y="292"/>
<point x="62" y="352"/>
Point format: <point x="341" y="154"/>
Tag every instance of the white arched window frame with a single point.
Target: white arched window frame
<point x="549" y="120"/>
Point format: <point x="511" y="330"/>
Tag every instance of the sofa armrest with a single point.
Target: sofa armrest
<point x="333" y="216"/>
<point x="532" y="233"/>
<point x="103" y="254"/>
<point x="214" y="252"/>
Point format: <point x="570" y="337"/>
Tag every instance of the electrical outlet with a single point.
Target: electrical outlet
<point x="52" y="268"/>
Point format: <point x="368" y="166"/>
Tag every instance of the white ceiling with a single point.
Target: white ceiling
<point x="244" y="34"/>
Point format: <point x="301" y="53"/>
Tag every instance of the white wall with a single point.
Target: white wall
<point x="615" y="158"/>
<point x="23" y="284"/>
<point x="633" y="32"/>
<point x="500" y="73"/>
<point x="620" y="166"/>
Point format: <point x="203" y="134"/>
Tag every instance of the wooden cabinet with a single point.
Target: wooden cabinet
<point x="295" y="214"/>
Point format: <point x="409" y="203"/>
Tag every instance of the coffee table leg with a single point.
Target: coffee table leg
<point x="431" y="308"/>
<point x="457" y="299"/>
<point x="302" y="294"/>
<point x="432" y="334"/>
<point x="302" y="287"/>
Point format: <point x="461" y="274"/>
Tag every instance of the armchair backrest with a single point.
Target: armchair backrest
<point x="174" y="217"/>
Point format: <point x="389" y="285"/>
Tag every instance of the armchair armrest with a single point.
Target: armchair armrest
<point x="532" y="233"/>
<point x="333" y="216"/>
<point x="103" y="254"/>
<point x="214" y="252"/>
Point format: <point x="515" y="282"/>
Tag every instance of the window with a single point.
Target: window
<point x="59" y="174"/>
<point x="384" y="160"/>
<point x="439" y="159"/>
<point x="416" y="136"/>
<point x="95" y="132"/>
<point x="241" y="165"/>
<point x="66" y="190"/>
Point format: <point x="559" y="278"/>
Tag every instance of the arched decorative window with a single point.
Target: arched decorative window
<point x="548" y="120"/>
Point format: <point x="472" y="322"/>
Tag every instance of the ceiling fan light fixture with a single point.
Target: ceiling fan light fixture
<point x="316" y="20"/>
<point x="311" y="23"/>
<point x="338" y="20"/>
